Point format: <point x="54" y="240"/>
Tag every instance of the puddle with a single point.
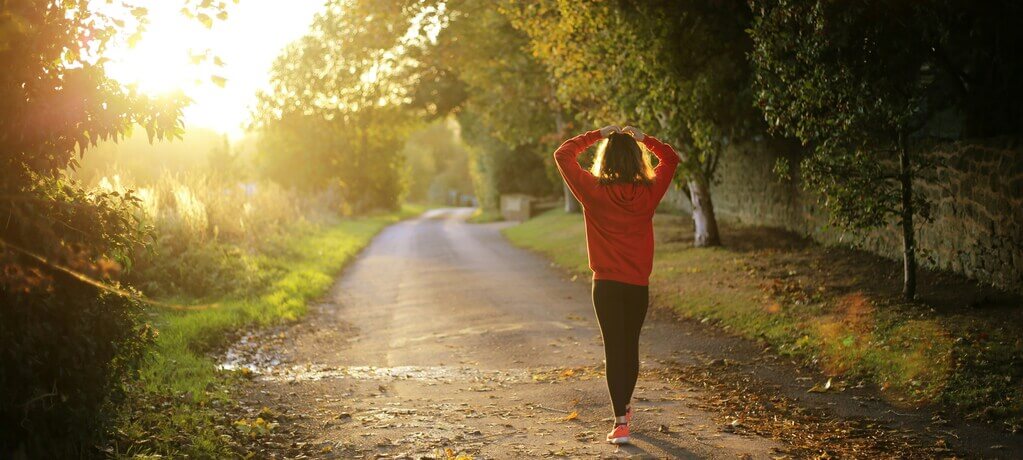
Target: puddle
<point x="257" y="354"/>
<point x="428" y="374"/>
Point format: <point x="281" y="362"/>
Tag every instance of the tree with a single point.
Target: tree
<point x="499" y="168"/>
<point x="508" y="113"/>
<point x="69" y="335"/>
<point x="437" y="161"/>
<point x="334" y="114"/>
<point x="678" y="68"/>
<point x="858" y="84"/>
<point x="466" y="59"/>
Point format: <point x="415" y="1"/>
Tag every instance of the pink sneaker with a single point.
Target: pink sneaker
<point x="619" y="435"/>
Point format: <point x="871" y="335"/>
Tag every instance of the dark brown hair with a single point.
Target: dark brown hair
<point x="620" y="160"/>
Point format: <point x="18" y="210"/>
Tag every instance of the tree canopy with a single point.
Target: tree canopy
<point x="677" y="69"/>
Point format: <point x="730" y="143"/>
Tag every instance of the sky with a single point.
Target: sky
<point x="249" y="40"/>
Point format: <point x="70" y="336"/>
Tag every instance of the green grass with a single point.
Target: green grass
<point x="180" y="380"/>
<point x="484" y="216"/>
<point x="557" y="235"/>
<point x="788" y="299"/>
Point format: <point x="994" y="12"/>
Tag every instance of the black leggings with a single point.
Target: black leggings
<point x="621" y="309"/>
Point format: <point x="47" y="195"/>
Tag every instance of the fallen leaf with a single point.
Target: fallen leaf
<point x="818" y="388"/>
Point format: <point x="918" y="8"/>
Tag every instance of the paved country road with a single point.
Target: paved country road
<point x="441" y="335"/>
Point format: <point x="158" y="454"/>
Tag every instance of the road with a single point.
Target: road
<point x="441" y="335"/>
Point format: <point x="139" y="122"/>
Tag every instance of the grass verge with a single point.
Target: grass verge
<point x="181" y="405"/>
<point x="484" y="216"/>
<point x="836" y="309"/>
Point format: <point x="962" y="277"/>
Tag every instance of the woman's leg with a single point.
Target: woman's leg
<point x="636" y="300"/>
<point x="620" y="317"/>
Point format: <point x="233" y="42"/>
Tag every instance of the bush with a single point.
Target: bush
<point x="66" y="344"/>
<point x="66" y="355"/>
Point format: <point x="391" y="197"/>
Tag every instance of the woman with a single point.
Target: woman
<point x="618" y="196"/>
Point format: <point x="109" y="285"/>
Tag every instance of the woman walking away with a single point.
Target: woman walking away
<point x="618" y="196"/>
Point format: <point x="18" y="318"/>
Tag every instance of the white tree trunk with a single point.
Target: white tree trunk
<point x="571" y="204"/>
<point x="706" y="225"/>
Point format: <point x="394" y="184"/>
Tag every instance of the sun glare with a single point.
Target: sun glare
<point x="161" y="61"/>
<point x="220" y="68"/>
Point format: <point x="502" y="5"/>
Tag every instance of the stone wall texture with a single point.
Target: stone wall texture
<point x="976" y="194"/>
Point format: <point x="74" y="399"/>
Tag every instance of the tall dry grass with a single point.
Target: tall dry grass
<point x="211" y="234"/>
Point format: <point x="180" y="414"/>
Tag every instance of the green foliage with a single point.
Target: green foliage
<point x="509" y="91"/>
<point x="333" y="115"/>
<point x="208" y="230"/>
<point x="677" y="69"/>
<point x="476" y="67"/>
<point x="437" y="162"/>
<point x="67" y="349"/>
<point x="498" y="168"/>
<point x="850" y="81"/>
<point x="146" y="163"/>
<point x="68" y="344"/>
<point x="846" y="80"/>
<point x="201" y="271"/>
<point x="508" y="115"/>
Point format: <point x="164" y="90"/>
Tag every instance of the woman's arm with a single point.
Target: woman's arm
<point x="667" y="161"/>
<point x="580" y="181"/>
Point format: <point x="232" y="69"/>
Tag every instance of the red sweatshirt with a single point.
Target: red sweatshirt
<point x="619" y="217"/>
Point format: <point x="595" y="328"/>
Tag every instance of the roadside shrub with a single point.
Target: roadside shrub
<point x="66" y="344"/>
<point x="66" y="354"/>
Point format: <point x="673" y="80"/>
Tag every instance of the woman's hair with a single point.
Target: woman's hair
<point x="620" y="160"/>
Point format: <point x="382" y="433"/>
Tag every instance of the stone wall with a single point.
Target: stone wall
<point x="976" y="196"/>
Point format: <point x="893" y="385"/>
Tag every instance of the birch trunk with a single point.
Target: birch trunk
<point x="704" y="222"/>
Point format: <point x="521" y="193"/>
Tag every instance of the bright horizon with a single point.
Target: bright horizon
<point x="253" y="35"/>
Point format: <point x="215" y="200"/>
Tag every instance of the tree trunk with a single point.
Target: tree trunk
<point x="706" y="225"/>
<point x="908" y="240"/>
<point x="571" y="204"/>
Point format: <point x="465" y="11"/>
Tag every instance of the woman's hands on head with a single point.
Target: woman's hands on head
<point x="609" y="129"/>
<point x="634" y="132"/>
<point x="630" y="130"/>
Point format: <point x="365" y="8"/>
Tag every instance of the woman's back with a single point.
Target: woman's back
<point x="619" y="229"/>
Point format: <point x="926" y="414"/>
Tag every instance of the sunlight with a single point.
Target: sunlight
<point x="161" y="61"/>
<point x="369" y="77"/>
<point x="220" y="68"/>
<point x="158" y="65"/>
